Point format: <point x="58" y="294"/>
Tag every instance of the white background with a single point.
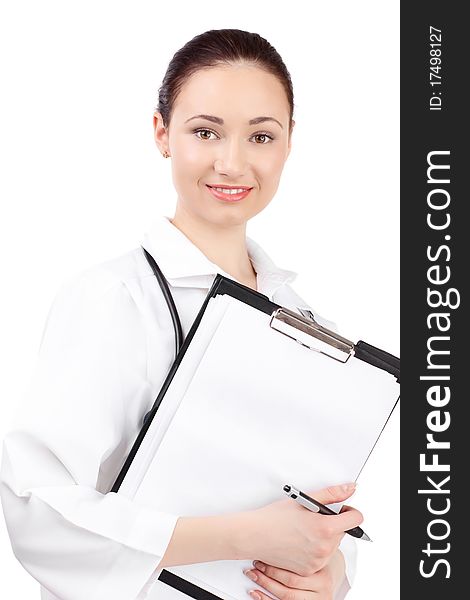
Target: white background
<point x="82" y="178"/>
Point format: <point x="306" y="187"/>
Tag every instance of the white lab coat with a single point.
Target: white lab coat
<point x="106" y="348"/>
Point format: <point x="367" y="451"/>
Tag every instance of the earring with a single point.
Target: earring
<point x="165" y="154"/>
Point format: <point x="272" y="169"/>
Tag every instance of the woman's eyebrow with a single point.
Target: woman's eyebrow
<point x="220" y="121"/>
<point x="262" y="119"/>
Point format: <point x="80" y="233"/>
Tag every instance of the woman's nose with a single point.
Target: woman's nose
<point x="231" y="159"/>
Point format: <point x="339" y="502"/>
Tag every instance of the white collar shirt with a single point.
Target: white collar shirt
<point x="107" y="346"/>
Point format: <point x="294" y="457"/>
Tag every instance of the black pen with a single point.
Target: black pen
<point x="318" y="507"/>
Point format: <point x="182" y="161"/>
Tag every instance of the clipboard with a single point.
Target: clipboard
<point x="156" y="452"/>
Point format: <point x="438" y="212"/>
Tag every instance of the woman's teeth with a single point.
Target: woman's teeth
<point x="229" y="191"/>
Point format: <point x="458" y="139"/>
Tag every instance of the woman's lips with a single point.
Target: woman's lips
<point x="228" y="197"/>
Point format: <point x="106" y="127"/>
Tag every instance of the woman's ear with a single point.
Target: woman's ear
<point x="160" y="133"/>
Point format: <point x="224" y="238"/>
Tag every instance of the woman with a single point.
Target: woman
<point x="225" y="118"/>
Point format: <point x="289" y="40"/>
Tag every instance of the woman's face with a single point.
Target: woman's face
<point x="229" y="129"/>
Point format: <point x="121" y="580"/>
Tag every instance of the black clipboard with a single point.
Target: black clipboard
<point x="286" y="322"/>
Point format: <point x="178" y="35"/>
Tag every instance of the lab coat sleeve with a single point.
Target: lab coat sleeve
<point x="82" y="411"/>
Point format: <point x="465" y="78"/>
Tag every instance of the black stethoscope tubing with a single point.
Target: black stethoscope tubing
<point x="169" y="300"/>
<point x="171" y="306"/>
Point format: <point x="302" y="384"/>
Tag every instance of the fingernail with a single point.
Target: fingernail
<point x="252" y="575"/>
<point x="255" y="595"/>
<point x="348" y="487"/>
<point x="260" y="566"/>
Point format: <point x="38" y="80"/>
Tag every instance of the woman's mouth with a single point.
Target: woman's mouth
<point x="229" y="193"/>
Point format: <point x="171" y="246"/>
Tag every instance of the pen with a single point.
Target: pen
<point x="317" y="507"/>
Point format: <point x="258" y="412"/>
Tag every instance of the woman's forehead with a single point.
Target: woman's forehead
<point x="242" y="90"/>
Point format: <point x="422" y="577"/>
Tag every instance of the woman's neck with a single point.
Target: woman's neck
<point x="224" y="246"/>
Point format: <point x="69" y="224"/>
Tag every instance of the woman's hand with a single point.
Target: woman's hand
<point x="287" y="585"/>
<point x="282" y="534"/>
<point x="286" y="535"/>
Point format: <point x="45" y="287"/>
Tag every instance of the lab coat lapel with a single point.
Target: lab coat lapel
<point x="184" y="265"/>
<point x="181" y="261"/>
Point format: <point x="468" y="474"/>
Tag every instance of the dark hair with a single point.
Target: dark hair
<point x="220" y="47"/>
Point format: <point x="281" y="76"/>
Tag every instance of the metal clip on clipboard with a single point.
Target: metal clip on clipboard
<point x="310" y="334"/>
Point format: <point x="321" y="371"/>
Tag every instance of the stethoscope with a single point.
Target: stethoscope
<point x="169" y="300"/>
<point x="171" y="307"/>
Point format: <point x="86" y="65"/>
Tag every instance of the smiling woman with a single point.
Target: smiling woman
<point x="225" y="117"/>
<point x="226" y="169"/>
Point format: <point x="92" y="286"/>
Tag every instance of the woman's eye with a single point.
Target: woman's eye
<point x="205" y="134"/>
<point x="264" y="137"/>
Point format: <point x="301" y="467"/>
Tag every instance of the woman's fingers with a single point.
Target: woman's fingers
<point x="334" y="493"/>
<point x="286" y="585"/>
<point x="273" y="586"/>
<point x="287" y="578"/>
<point x="347" y="519"/>
<point x="258" y="595"/>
